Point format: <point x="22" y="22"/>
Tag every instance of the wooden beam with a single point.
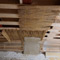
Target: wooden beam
<point x="40" y="29"/>
<point x="2" y="28"/>
<point x="3" y="40"/>
<point x="8" y="6"/>
<point x="8" y="23"/>
<point x="6" y="35"/>
<point x="11" y="50"/>
<point x="53" y="49"/>
<point x="36" y="29"/>
<point x="4" y="15"/>
<point x="1" y="36"/>
<point x="52" y="45"/>
<point x="50" y="51"/>
<point x="10" y="43"/>
<point x="11" y="46"/>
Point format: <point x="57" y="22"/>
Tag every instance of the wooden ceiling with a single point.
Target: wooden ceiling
<point x="19" y="21"/>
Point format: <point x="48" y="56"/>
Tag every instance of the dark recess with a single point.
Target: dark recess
<point x="48" y="32"/>
<point x="46" y="2"/>
<point x="16" y="26"/>
<point x="51" y="27"/>
<point x="46" y="36"/>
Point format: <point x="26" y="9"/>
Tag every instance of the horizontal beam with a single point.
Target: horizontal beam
<point x="4" y="15"/>
<point x="2" y="37"/>
<point x="2" y="28"/>
<point x="11" y="50"/>
<point x="52" y="45"/>
<point x="40" y="29"/>
<point x="35" y="29"/>
<point x="3" y="40"/>
<point x="50" y="51"/>
<point x="11" y="43"/>
<point x="8" y="23"/>
<point x="8" y="6"/>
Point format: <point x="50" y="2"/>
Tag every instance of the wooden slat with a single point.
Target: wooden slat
<point x="19" y="34"/>
<point x="11" y="46"/>
<point x="52" y="45"/>
<point x="11" y="50"/>
<point x="8" y="28"/>
<point x="37" y="29"/>
<point x="33" y="24"/>
<point x="53" y="49"/>
<point x="3" y="40"/>
<point x="6" y="35"/>
<point x="8" y="6"/>
<point x="36" y="17"/>
<point x="4" y="15"/>
<point x="8" y="23"/>
<point x="2" y="37"/>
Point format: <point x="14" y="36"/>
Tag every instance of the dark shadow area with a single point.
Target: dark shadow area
<point x="9" y="1"/>
<point x="46" y="2"/>
<point x="33" y="2"/>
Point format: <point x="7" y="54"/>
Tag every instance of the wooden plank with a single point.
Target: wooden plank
<point x="11" y="50"/>
<point x="13" y="34"/>
<point x="8" y="23"/>
<point x="52" y="45"/>
<point x="52" y="42"/>
<point x="36" y="17"/>
<point x="19" y="34"/>
<point x="33" y="24"/>
<point x="11" y="46"/>
<point x="34" y="29"/>
<point x="4" y="15"/>
<point x="8" y="6"/>
<point x="3" y="40"/>
<point x="29" y="29"/>
<point x="2" y="28"/>
<point x="52" y="49"/>
<point x="10" y="43"/>
<point x="1" y="36"/>
<point x="6" y="35"/>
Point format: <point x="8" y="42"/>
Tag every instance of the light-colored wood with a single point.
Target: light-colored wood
<point x="6" y="35"/>
<point x="4" y="15"/>
<point x="53" y="55"/>
<point x="53" y="45"/>
<point x="9" y="6"/>
<point x="37" y="17"/>
<point x="8" y="23"/>
<point x="11" y="46"/>
<point x="2" y="28"/>
<point x="11" y="50"/>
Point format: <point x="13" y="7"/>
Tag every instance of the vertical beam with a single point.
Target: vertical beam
<point x="21" y="1"/>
